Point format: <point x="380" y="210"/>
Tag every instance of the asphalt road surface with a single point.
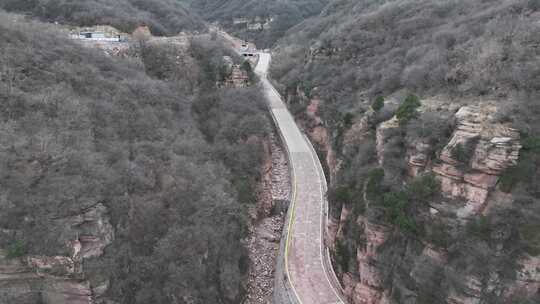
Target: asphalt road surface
<point x="304" y="256"/>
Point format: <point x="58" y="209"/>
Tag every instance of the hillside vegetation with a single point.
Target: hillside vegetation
<point x="174" y="169"/>
<point x="164" y="17"/>
<point x="408" y="103"/>
<point x="285" y="13"/>
<point x="361" y="49"/>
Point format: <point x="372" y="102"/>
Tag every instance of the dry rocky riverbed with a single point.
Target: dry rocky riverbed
<point x="263" y="243"/>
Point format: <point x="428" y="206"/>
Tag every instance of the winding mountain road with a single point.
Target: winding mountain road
<point x="307" y="267"/>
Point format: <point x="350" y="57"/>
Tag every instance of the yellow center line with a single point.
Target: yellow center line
<point x="290" y="228"/>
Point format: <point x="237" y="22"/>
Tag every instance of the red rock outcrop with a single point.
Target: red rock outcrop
<point x="94" y="230"/>
<point x="57" y="266"/>
<point x="47" y="280"/>
<point x="318" y="134"/>
<point x="494" y="148"/>
<point x="365" y="285"/>
<point x="58" y="279"/>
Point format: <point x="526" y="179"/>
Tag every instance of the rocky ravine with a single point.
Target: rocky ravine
<point x="265" y="233"/>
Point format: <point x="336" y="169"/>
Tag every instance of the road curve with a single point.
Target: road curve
<point x="305" y="260"/>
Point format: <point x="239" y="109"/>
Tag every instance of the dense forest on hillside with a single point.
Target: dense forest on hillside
<point x="364" y="49"/>
<point x="171" y="165"/>
<point x="285" y="13"/>
<point x="128" y="180"/>
<point x="406" y="101"/>
<point x="164" y="17"/>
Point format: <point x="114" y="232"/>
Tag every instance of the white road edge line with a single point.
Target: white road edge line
<point x="291" y="220"/>
<point x="324" y="211"/>
<point x="294" y="183"/>
<point x="312" y="151"/>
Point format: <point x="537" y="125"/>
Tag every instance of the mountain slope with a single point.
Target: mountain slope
<point x="425" y="113"/>
<point x="114" y="187"/>
<point x="164" y="17"/>
<point x="284" y="15"/>
<point x="428" y="46"/>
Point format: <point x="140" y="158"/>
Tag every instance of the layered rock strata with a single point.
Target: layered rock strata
<point x="59" y="279"/>
<point x="493" y="147"/>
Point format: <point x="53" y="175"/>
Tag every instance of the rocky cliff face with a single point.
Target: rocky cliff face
<point x="60" y="279"/>
<point x="313" y="125"/>
<point x="366" y="285"/>
<point x="387" y="266"/>
<point x="492" y="147"/>
<point x="469" y="166"/>
<point x="42" y="280"/>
